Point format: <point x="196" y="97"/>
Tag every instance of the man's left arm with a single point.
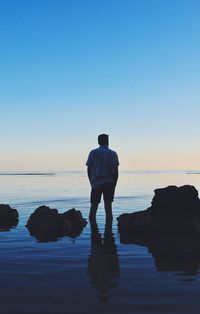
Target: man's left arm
<point x="115" y="174"/>
<point x="89" y="173"/>
<point x="115" y="168"/>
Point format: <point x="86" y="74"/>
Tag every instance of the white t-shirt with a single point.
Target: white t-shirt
<point x="102" y="162"/>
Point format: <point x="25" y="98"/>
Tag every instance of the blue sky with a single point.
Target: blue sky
<point x="70" y="70"/>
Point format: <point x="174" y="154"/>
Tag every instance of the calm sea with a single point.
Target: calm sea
<point x="87" y="274"/>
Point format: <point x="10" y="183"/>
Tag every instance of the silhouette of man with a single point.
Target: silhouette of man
<point x="102" y="167"/>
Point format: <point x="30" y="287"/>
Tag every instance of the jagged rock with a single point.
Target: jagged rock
<point x="174" y="210"/>
<point x="47" y="224"/>
<point x="8" y="217"/>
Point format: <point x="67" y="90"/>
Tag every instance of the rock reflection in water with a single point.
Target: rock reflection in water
<point x="171" y="253"/>
<point x="103" y="262"/>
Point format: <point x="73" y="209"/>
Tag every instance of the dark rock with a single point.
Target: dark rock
<point x="8" y="217"/>
<point x="174" y="210"/>
<point x="47" y="224"/>
<point x="174" y="201"/>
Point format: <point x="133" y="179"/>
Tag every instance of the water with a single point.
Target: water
<point x="88" y="274"/>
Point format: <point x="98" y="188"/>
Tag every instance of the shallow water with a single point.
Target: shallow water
<point x="93" y="272"/>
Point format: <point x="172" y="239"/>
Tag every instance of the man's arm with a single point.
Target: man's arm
<point x="89" y="173"/>
<point x="115" y="174"/>
<point x="115" y="167"/>
<point x="88" y="164"/>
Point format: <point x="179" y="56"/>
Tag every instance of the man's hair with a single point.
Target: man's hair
<point x="103" y="139"/>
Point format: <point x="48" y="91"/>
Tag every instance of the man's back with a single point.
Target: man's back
<point x="102" y="162"/>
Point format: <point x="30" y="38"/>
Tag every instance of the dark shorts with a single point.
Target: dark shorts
<point x="108" y="191"/>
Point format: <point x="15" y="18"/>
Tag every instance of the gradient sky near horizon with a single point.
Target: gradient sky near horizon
<point x="72" y="69"/>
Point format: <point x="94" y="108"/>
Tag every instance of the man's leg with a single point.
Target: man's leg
<point x="93" y="210"/>
<point x="95" y="199"/>
<point x="108" y="194"/>
<point x="108" y="210"/>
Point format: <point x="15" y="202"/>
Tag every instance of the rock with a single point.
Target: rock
<point x="8" y="217"/>
<point x="174" y="201"/>
<point x="47" y="224"/>
<point x="174" y="210"/>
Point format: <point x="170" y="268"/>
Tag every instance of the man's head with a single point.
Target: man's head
<point x="103" y="139"/>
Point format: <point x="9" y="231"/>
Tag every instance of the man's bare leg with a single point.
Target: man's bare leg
<point x="93" y="210"/>
<point x="108" y="210"/>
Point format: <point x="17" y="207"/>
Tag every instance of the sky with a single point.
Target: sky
<point x="73" y="69"/>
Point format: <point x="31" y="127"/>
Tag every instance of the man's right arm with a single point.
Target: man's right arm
<point x="89" y="168"/>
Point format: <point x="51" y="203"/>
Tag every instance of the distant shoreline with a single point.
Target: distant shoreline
<point x="29" y="174"/>
<point x="78" y="172"/>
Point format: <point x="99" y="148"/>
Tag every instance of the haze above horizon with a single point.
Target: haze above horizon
<point x="71" y="70"/>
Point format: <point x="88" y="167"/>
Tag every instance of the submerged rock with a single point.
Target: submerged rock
<point x="174" y="210"/>
<point x="47" y="224"/>
<point x="8" y="217"/>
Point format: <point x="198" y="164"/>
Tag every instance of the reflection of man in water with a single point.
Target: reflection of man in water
<point x="103" y="263"/>
<point x="102" y="166"/>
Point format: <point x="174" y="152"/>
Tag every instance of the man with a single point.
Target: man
<point x="102" y="170"/>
